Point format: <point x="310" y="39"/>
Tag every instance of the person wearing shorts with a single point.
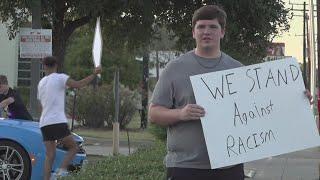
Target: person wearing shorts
<point x="49" y="132"/>
<point x="53" y="121"/>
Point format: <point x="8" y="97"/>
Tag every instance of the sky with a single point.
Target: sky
<point x="293" y="39"/>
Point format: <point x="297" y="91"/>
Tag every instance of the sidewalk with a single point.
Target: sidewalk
<point x="300" y="165"/>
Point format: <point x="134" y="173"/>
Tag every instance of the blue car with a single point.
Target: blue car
<point x="22" y="152"/>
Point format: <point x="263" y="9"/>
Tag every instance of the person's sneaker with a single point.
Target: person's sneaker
<point x="53" y="176"/>
<point x="62" y="173"/>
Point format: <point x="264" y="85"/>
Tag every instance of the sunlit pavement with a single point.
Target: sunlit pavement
<point x="300" y="165"/>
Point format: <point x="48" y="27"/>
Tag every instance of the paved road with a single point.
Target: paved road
<point x="300" y="165"/>
<point x="98" y="146"/>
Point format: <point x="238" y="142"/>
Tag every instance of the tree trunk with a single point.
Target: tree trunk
<point x="145" y="78"/>
<point x="58" y="36"/>
<point x="59" y="46"/>
<point x="62" y="30"/>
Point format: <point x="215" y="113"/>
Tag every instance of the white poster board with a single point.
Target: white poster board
<point x="35" y="43"/>
<point x="255" y="112"/>
<point x="97" y="45"/>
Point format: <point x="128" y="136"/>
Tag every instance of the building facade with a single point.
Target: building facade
<point x="9" y="56"/>
<point x="15" y="68"/>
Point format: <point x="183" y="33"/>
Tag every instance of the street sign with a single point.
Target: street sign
<point x="35" y="43"/>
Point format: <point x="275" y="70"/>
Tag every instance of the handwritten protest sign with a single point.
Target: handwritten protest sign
<point x="255" y="112"/>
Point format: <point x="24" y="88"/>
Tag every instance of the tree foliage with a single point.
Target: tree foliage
<point x="78" y="62"/>
<point x="251" y="24"/>
<point x="65" y="16"/>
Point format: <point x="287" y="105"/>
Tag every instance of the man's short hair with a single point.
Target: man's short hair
<point x="210" y="12"/>
<point x="3" y="80"/>
<point x="50" y="61"/>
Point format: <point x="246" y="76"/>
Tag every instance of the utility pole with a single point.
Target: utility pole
<point x="148" y="19"/>
<point x="304" y="46"/>
<point x="318" y="51"/>
<point x="318" y="40"/>
<point x="35" y="63"/>
<point x="306" y="41"/>
<point x="308" y="52"/>
<point x="116" y="114"/>
<point x="145" y="78"/>
<point x="312" y="52"/>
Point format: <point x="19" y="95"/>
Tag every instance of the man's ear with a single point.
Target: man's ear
<point x="193" y="35"/>
<point x="223" y="31"/>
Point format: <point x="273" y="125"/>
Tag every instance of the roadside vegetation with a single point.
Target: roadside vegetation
<point x="145" y="163"/>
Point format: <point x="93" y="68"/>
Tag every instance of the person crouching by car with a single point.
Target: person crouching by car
<point x="11" y="98"/>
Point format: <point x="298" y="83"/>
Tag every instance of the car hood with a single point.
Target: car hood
<point x="19" y="123"/>
<point x="29" y="125"/>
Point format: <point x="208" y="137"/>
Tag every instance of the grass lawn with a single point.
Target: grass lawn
<point x="139" y="135"/>
<point x="135" y="133"/>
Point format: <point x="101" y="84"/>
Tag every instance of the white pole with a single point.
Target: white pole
<point x="312" y="53"/>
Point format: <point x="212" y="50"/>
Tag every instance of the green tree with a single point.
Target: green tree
<point x="65" y="16"/>
<point x="78" y="62"/>
<point x="251" y="24"/>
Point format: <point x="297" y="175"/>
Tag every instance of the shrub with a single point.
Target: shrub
<point x="95" y="106"/>
<point x="92" y="105"/>
<point x="145" y="163"/>
<point x="128" y="106"/>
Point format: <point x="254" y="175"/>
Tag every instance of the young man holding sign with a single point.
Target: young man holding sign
<point x="173" y="102"/>
<point x="53" y="121"/>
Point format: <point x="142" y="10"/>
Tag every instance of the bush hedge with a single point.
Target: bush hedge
<point x="146" y="163"/>
<point x="95" y="106"/>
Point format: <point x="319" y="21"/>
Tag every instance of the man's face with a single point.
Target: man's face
<point x="207" y="34"/>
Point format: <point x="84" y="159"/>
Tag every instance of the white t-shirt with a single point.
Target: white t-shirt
<point x="51" y="93"/>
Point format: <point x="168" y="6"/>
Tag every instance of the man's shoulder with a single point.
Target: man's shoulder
<point x="182" y="59"/>
<point x="60" y="75"/>
<point x="56" y="76"/>
<point x="231" y="61"/>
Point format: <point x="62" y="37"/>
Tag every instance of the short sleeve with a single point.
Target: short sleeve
<point x="163" y="91"/>
<point x="63" y="79"/>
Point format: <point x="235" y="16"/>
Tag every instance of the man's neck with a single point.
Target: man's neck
<point x="207" y="53"/>
<point x="50" y="71"/>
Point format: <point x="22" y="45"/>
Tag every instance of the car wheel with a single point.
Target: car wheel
<point x="14" y="161"/>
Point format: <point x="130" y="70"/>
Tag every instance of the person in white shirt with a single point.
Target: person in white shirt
<point x="53" y="121"/>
